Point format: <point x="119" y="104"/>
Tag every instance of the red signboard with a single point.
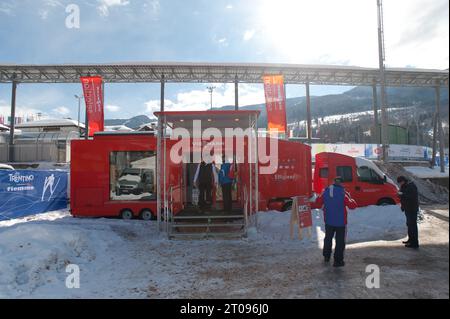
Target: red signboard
<point x="275" y="103"/>
<point x="304" y="212"/>
<point x="93" y="95"/>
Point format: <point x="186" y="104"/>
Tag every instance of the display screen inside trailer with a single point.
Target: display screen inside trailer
<point x="25" y="193"/>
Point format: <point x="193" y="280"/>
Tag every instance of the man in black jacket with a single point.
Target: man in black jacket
<point x="409" y="198"/>
<point x="204" y="180"/>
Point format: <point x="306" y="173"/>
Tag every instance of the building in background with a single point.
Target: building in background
<point x="51" y="125"/>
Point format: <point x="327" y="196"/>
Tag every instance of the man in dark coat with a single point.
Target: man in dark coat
<point x="205" y="178"/>
<point x="409" y="198"/>
<point x="334" y="201"/>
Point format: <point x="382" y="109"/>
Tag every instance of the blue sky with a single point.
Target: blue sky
<point x="316" y="32"/>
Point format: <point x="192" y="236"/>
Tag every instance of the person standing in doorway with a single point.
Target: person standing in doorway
<point x="226" y="183"/>
<point x="334" y="201"/>
<point x="205" y="178"/>
<point x="409" y="199"/>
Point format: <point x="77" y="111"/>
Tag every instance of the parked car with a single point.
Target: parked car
<point x="135" y="181"/>
<point x="5" y="167"/>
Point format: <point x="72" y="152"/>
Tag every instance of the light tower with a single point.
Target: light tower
<point x="211" y="92"/>
<point x="382" y="59"/>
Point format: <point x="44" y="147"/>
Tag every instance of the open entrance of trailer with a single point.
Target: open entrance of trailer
<point x="187" y="209"/>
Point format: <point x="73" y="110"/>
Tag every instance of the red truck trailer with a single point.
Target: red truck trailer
<point x="365" y="182"/>
<point x="115" y="174"/>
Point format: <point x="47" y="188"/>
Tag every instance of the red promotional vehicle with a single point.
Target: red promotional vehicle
<point x="365" y="182"/>
<point x="116" y="174"/>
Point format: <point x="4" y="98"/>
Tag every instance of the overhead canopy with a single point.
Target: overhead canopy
<point x="220" y="73"/>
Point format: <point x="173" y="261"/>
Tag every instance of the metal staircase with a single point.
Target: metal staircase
<point x="191" y="224"/>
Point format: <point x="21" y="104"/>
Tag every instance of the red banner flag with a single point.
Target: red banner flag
<point x="93" y="96"/>
<point x="275" y="103"/>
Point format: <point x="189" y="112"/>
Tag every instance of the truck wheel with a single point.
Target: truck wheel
<point x="385" y="202"/>
<point x="146" y="214"/>
<point x="287" y="206"/>
<point x="126" y="214"/>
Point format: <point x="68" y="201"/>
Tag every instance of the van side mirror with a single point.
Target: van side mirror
<point x="384" y="178"/>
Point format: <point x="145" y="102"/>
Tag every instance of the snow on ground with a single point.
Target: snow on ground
<point x="426" y="172"/>
<point x="128" y="259"/>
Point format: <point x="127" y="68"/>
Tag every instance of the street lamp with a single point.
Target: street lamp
<point x="211" y="91"/>
<point x="79" y="98"/>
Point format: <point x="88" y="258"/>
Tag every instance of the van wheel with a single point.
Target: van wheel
<point x="385" y="202"/>
<point x="146" y="214"/>
<point x="287" y="206"/>
<point x="126" y="214"/>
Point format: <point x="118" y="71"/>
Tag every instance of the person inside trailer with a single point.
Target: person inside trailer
<point x="226" y="179"/>
<point x="205" y="178"/>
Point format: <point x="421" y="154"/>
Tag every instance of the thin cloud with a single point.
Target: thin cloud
<point x="62" y="110"/>
<point x="105" y="5"/>
<point x="249" y="34"/>
<point x="199" y="100"/>
<point x="7" y="8"/>
<point x="112" y="108"/>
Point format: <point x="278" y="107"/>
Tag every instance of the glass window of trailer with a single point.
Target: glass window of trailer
<point x="133" y="176"/>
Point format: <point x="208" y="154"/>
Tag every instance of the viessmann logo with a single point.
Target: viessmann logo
<point x="19" y="178"/>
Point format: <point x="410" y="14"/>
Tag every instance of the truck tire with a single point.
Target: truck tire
<point x="287" y="206"/>
<point x="146" y="214"/>
<point x="126" y="214"/>
<point x="386" y="202"/>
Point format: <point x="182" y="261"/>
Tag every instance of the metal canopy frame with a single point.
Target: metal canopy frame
<point x="184" y="72"/>
<point x="220" y="73"/>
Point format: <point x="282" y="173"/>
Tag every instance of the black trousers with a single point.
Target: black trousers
<point x="205" y="195"/>
<point x="413" y="232"/>
<point x="330" y="232"/>
<point x="227" y="199"/>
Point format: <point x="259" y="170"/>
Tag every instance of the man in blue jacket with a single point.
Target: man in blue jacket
<point x="334" y="201"/>
<point x="226" y="182"/>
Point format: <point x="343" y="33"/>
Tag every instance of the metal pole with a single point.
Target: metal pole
<point x="256" y="169"/>
<point x="381" y="56"/>
<point x="13" y="122"/>
<point x="236" y="95"/>
<point x="159" y="157"/>
<point x="211" y="91"/>
<point x="86" y="124"/>
<point x="308" y="114"/>
<point x="439" y="127"/>
<point x="79" y="109"/>
<point x="434" y="144"/>
<point x="376" y="136"/>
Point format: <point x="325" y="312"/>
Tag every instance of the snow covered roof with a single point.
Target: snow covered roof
<point x="4" y="127"/>
<point x="50" y="123"/>
<point x="118" y="128"/>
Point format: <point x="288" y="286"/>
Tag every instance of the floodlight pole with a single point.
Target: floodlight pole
<point x="13" y="122"/>
<point x="382" y="58"/>
<point x="211" y="91"/>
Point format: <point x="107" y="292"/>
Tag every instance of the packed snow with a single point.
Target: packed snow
<point x="125" y="258"/>
<point x="426" y="172"/>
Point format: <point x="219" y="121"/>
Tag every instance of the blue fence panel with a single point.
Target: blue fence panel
<point x="25" y="192"/>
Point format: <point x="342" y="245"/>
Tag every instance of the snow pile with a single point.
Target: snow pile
<point x="426" y="172"/>
<point x="127" y="259"/>
<point x="364" y="224"/>
<point x="34" y="253"/>
<point x="429" y="192"/>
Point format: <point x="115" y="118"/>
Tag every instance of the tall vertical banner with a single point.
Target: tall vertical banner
<point x="93" y="96"/>
<point x="275" y="103"/>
